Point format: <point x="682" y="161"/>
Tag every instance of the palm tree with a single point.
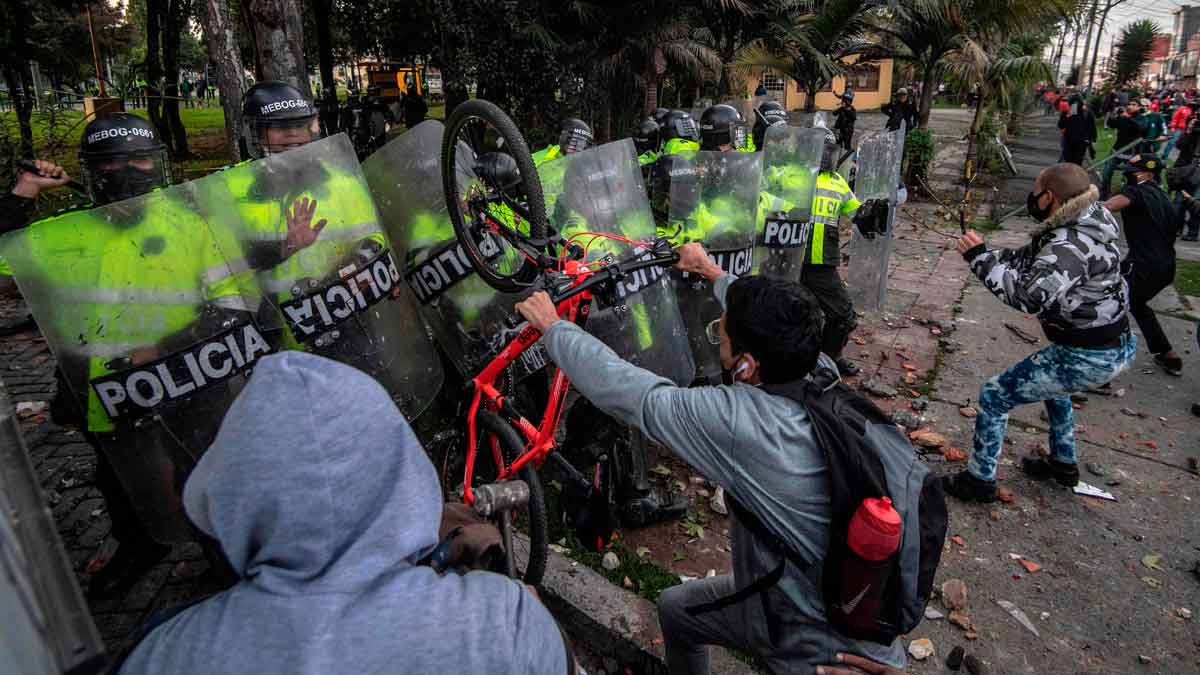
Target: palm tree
<point x="923" y="32"/>
<point x="809" y="40"/>
<point x="1137" y="39"/>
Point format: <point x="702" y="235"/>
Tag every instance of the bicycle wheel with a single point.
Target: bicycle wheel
<point x="531" y="542"/>
<point x="496" y="215"/>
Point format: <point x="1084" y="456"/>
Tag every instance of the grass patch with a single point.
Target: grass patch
<point x="1187" y="277"/>
<point x="649" y="579"/>
<point x="986" y="225"/>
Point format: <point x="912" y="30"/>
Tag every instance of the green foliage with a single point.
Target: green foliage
<point x="1187" y="277"/>
<point x="1132" y="52"/>
<point x="918" y="156"/>
<point x="991" y="127"/>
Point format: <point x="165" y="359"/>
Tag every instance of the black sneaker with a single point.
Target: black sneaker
<point x="1041" y="468"/>
<point x="654" y="506"/>
<point x="846" y="367"/>
<point x="1196" y="409"/>
<point x="1172" y="364"/>
<point x="968" y="488"/>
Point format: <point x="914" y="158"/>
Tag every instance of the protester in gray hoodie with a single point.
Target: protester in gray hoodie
<point x="759" y="447"/>
<point x="322" y="500"/>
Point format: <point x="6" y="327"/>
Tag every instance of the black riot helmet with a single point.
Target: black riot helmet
<point x="659" y="115"/>
<point x="122" y="157"/>
<point x="276" y="117"/>
<point x="847" y="97"/>
<point x="765" y="120"/>
<point x="499" y="170"/>
<point x="679" y="124"/>
<point x="721" y="125"/>
<point x="767" y="106"/>
<point x="576" y="136"/>
<point x="647" y="137"/>
<point x="829" y="152"/>
<point x="674" y="177"/>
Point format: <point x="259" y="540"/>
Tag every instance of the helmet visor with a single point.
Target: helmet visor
<point x="269" y="137"/>
<point x="115" y="177"/>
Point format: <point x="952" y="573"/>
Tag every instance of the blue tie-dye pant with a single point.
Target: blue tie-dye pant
<point x="1049" y="375"/>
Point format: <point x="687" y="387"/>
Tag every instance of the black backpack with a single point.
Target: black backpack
<point x="868" y="456"/>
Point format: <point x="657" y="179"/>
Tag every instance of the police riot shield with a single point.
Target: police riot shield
<point x="469" y="319"/>
<point x="714" y="200"/>
<point x="304" y="222"/>
<point x="791" y="161"/>
<point x="746" y="110"/>
<point x="47" y="626"/>
<point x="155" y="331"/>
<point x="602" y="207"/>
<point x="879" y="159"/>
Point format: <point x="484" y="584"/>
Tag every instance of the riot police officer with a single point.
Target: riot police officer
<point x="844" y="118"/>
<point x="647" y="141"/>
<point x="576" y="136"/>
<point x="679" y="133"/>
<point x="832" y="199"/>
<point x="118" y="306"/>
<point x="722" y="128"/>
<point x="765" y="118"/>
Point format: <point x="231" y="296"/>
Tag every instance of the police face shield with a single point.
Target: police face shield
<point x="791" y="158"/>
<point x="266" y="137"/>
<point x="337" y="292"/>
<point x="154" y="331"/>
<point x="879" y="159"/>
<point x="723" y="217"/>
<point x="603" y="211"/>
<point x="117" y="177"/>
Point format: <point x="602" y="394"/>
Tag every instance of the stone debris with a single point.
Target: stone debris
<point x="933" y="615"/>
<point x="610" y="561"/>
<point x="920" y="649"/>
<point x="875" y="387"/>
<point x="717" y="503"/>
<point x="954" y="594"/>
<point x="954" y="660"/>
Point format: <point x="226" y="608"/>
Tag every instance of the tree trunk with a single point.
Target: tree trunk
<point x="1096" y="47"/>
<point x="1074" y="49"/>
<point x="279" y="42"/>
<point x="322" y="16"/>
<point x="1087" y="44"/>
<point x="154" y="73"/>
<point x="810" y="97"/>
<point x="19" y="81"/>
<point x="177" y="11"/>
<point x="1058" y="53"/>
<point x="224" y="54"/>
<point x="927" y="91"/>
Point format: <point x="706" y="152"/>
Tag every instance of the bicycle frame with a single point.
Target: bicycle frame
<point x="539" y="439"/>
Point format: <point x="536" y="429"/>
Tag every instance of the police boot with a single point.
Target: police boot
<point x="643" y="503"/>
<point x="126" y="567"/>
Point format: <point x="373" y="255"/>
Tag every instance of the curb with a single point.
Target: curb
<point x="613" y="622"/>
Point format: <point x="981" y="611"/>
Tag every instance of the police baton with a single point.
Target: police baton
<point x="29" y="167"/>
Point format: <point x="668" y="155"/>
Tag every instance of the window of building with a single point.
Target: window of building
<point x="776" y="85"/>
<point x="863" y="77"/>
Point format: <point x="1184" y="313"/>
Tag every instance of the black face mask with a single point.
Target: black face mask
<point x="1037" y="212"/>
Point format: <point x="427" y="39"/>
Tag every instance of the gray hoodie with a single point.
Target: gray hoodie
<point x="322" y="499"/>
<point x="761" y="448"/>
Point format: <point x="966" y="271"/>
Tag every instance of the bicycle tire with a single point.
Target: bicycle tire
<point x="516" y="147"/>
<point x="539" y="541"/>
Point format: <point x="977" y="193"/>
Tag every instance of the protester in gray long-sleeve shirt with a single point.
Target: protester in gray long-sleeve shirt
<point x="760" y="447"/>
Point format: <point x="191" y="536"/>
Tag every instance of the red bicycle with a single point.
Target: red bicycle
<point x="501" y="223"/>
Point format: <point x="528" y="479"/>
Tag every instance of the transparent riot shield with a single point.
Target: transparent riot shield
<point x="468" y="318"/>
<point x="791" y="161"/>
<point x="339" y="293"/>
<point x="715" y="202"/>
<point x="47" y="626"/>
<point x="155" y="330"/>
<point x="603" y="194"/>
<point x="879" y="159"/>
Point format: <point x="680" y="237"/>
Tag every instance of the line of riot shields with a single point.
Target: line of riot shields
<point x="157" y="308"/>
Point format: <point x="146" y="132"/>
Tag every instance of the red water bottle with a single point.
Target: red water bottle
<point x="872" y="538"/>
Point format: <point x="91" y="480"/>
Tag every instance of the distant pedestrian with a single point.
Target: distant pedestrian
<point x="1150" y="222"/>
<point x="185" y="90"/>
<point x="900" y="111"/>
<point x="414" y="109"/>
<point x="201" y="90"/>
<point x="761" y="90"/>
<point x="1156" y="129"/>
<point x="1078" y="127"/>
<point x="1175" y="129"/>
<point x="1131" y="127"/>
<point x="1069" y="277"/>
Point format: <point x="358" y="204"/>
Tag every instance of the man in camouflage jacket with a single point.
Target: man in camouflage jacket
<point x="1069" y="277"/>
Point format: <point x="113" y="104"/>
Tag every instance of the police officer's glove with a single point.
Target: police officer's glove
<point x="871" y="218"/>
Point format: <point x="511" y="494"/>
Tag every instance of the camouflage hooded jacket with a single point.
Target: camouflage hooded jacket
<point x="1068" y="275"/>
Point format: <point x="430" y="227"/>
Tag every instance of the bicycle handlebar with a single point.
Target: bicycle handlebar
<point x="616" y="271"/>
